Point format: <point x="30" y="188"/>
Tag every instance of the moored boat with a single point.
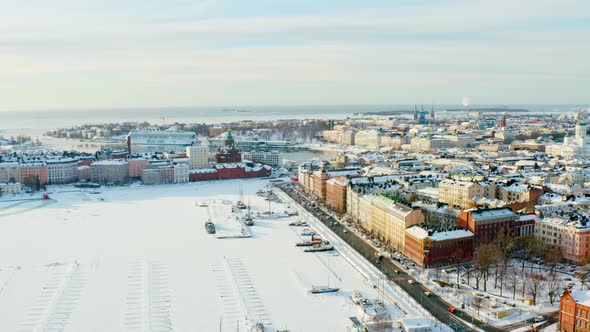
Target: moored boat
<point x="323" y="289"/>
<point x="210" y="227"/>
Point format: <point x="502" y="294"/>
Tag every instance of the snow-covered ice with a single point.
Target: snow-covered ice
<point x="138" y="258"/>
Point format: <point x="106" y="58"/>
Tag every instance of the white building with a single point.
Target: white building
<point x="10" y="188"/>
<point x="577" y="145"/>
<point x="62" y="170"/>
<point x="368" y="138"/>
<point x="142" y="141"/>
<point x="263" y="157"/>
<point x="181" y="173"/>
<point x="198" y="156"/>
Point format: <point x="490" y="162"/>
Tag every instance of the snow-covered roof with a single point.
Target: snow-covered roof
<point x="202" y="171"/>
<point x="421" y="233"/>
<point x="109" y="162"/>
<point x="61" y="160"/>
<point x="581" y="297"/>
<point x="492" y="213"/>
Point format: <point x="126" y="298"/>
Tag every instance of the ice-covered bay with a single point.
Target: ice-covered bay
<point x="139" y="259"/>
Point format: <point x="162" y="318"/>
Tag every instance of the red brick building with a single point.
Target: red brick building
<point x="486" y="224"/>
<point x="230" y="171"/>
<point x="228" y="153"/>
<point x="428" y="248"/>
<point x="574" y="311"/>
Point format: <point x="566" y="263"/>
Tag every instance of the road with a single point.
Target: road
<point x="437" y="306"/>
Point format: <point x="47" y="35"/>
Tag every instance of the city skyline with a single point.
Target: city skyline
<point x="108" y="54"/>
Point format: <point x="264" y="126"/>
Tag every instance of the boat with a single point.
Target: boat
<point x="320" y="247"/>
<point x="323" y="289"/>
<point x="298" y="223"/>
<point x="308" y="232"/>
<point x="308" y="243"/>
<point x="249" y="221"/>
<point x="240" y="204"/>
<point x="365" y="305"/>
<point x="210" y="227"/>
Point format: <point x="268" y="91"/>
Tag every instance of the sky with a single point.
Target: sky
<point x="74" y="54"/>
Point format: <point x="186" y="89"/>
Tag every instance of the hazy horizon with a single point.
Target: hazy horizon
<point x="96" y="54"/>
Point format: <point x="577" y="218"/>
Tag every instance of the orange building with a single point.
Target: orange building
<point x="321" y="177"/>
<point x="336" y="193"/>
<point x="574" y="311"/>
<point x="34" y="169"/>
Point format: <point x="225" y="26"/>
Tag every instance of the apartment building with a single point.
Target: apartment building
<point x="181" y="173"/>
<point x="264" y="157"/>
<point x="429" y="248"/>
<point x="370" y="138"/>
<point x="322" y="175"/>
<point x="136" y="167"/>
<point x="198" y="156"/>
<point x="458" y="193"/>
<point x="9" y="172"/>
<point x="570" y="232"/>
<point x="391" y="219"/>
<point x="62" y="170"/>
<point x="336" y="189"/>
<point x="110" y="171"/>
<point x="34" y="169"/>
<point x="486" y="224"/>
<point x="10" y="188"/>
<point x="342" y="137"/>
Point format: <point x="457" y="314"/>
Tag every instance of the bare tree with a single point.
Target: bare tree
<point x="484" y="258"/>
<point x="456" y="258"/>
<point x="554" y="287"/>
<point x="581" y="276"/>
<point x="512" y="278"/>
<point x="535" y="285"/>
<point x="477" y="303"/>
<point x="553" y="255"/>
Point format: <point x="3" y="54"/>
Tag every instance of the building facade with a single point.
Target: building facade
<point x="9" y="172"/>
<point x="150" y="141"/>
<point x="110" y="171"/>
<point x="136" y="167"/>
<point x="428" y="248"/>
<point x="574" y="311"/>
<point x="198" y="156"/>
<point x="36" y="169"/>
<point x="62" y="170"/>
<point x="486" y="224"/>
<point x="264" y="157"/>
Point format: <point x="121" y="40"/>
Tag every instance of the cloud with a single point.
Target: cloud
<point x="412" y="50"/>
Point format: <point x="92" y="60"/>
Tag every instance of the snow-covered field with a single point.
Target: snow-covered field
<point x="138" y="259"/>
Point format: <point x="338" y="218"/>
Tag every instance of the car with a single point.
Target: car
<point x="411" y="281"/>
<point x="452" y="310"/>
<point x="427" y="293"/>
<point x="539" y="318"/>
<point x="396" y="271"/>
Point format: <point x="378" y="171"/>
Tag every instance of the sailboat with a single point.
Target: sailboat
<point x="324" y="289"/>
<point x="249" y="221"/>
<point x="240" y="204"/>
